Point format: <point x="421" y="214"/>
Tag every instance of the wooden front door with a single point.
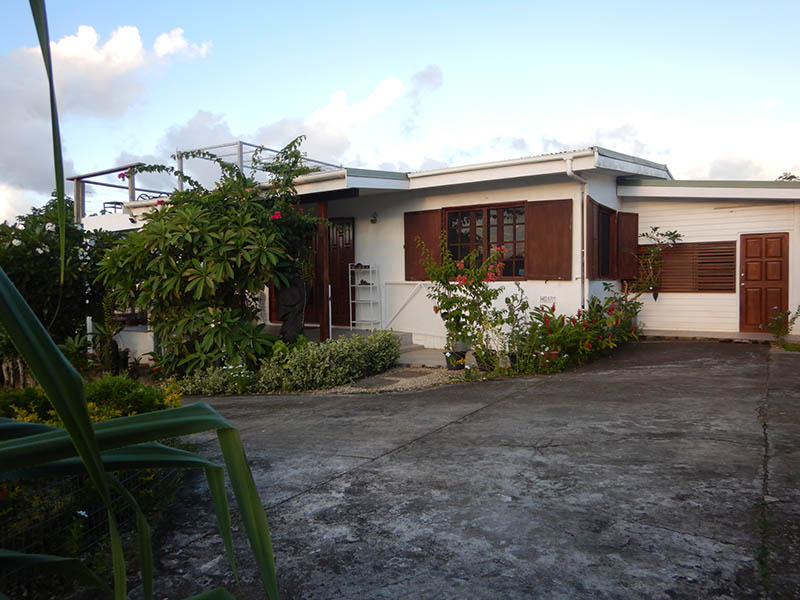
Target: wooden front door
<point x="342" y="253"/>
<point x="764" y="278"/>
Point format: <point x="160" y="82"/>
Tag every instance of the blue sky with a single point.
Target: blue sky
<point x="709" y="88"/>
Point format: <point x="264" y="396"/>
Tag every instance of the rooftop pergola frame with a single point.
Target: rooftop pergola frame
<point x="80" y="182"/>
<point x="239" y="153"/>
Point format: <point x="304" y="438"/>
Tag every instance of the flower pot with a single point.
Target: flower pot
<point x="455" y="359"/>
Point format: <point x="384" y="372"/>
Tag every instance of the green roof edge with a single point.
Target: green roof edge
<point x="376" y="173"/>
<point x="709" y="183"/>
<point x="627" y="157"/>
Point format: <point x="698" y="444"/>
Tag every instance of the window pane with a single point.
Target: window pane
<point x="508" y="234"/>
<point x="508" y="217"/>
<point x="492" y="216"/>
<point x="519" y="232"/>
<point x="493" y="235"/>
<point x="519" y="214"/>
<point x="477" y="216"/>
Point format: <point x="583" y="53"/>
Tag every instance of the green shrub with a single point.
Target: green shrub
<point x="219" y="381"/>
<point x="303" y="366"/>
<point x="108" y="397"/>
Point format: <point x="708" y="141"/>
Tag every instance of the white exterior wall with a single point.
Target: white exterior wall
<point x="711" y="221"/>
<point x="404" y="305"/>
<point x="138" y="339"/>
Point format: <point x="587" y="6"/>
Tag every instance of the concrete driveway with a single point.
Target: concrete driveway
<point x="669" y="470"/>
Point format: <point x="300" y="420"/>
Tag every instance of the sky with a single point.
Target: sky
<point x="709" y="88"/>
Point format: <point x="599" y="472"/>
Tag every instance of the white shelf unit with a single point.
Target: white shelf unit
<point x="365" y="297"/>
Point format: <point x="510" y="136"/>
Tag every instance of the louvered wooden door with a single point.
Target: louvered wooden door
<point x="764" y="278"/>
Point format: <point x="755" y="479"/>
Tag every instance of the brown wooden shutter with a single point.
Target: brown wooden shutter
<point x="627" y="244"/>
<point x="425" y="225"/>
<point x="548" y="239"/>
<point x="592" y="239"/>
<point x="698" y="267"/>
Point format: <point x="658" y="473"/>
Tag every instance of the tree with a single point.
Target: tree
<point x="786" y="176"/>
<point x="202" y="258"/>
<point x="29" y="254"/>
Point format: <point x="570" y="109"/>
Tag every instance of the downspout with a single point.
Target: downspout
<point x="571" y="174"/>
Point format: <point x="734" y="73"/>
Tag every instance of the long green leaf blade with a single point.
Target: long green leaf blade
<point x="40" y="20"/>
<point x="216" y="484"/>
<point x="143" y="539"/>
<point x="250" y="508"/>
<point x="123" y="431"/>
<point x="150" y="455"/>
<point x="71" y="568"/>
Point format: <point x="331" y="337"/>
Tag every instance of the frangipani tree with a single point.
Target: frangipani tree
<point x="202" y="257"/>
<point x="28" y="450"/>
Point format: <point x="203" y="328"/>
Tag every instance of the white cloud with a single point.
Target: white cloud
<point x="94" y="78"/>
<point x="174" y="43"/>
<point x="15" y="201"/>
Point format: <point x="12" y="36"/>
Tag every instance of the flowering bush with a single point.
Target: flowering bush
<point x="556" y="341"/>
<point x="462" y="295"/>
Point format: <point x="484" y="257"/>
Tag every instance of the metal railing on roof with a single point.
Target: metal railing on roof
<point x="242" y="154"/>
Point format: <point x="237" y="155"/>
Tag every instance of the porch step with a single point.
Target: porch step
<point x="410" y="348"/>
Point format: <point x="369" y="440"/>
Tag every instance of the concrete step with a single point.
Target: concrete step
<point x="410" y="347"/>
<point x="406" y="339"/>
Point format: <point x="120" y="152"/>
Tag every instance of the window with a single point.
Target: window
<point x="602" y="237"/>
<point x="537" y="237"/>
<point x="611" y="242"/>
<point x="698" y="267"/>
<point x="487" y="228"/>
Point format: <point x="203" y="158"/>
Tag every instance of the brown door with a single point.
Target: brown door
<point x="342" y="253"/>
<point x="764" y="278"/>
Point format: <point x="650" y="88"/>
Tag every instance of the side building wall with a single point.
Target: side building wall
<point x="711" y="221"/>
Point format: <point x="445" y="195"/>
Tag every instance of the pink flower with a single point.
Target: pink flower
<point x="122" y="175"/>
<point x="276" y="215"/>
<point x="159" y="202"/>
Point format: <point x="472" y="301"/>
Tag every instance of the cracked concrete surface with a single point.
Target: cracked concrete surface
<point x="639" y="476"/>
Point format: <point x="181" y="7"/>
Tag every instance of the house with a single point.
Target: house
<point x="570" y="222"/>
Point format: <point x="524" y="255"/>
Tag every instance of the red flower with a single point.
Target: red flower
<point x="276" y="215"/>
<point x="562" y="320"/>
<point x="435" y="309"/>
<point x="589" y="345"/>
<point x="159" y="202"/>
<point x="633" y="330"/>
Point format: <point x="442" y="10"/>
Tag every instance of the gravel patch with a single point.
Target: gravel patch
<point x="399" y="379"/>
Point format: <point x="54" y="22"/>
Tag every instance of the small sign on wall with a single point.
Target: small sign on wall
<point x="547" y="299"/>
